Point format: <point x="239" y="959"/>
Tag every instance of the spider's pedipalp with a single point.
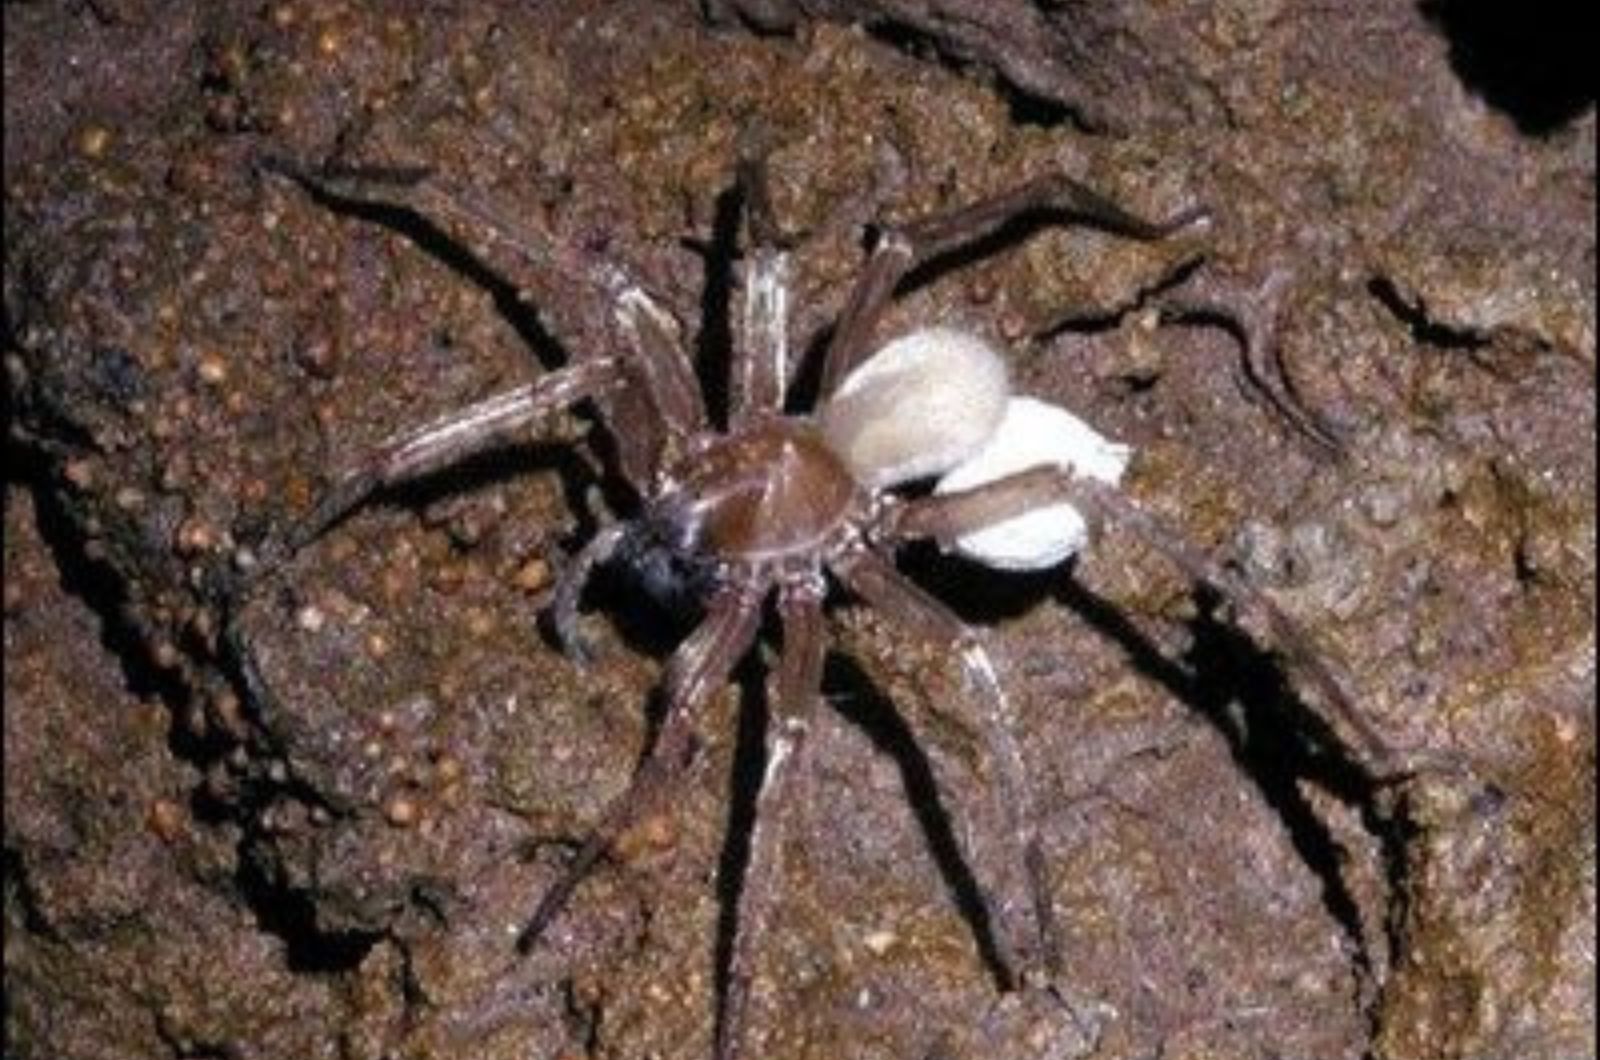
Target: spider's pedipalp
<point x="569" y="590"/>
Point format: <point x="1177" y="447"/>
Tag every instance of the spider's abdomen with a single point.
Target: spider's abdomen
<point x="768" y="492"/>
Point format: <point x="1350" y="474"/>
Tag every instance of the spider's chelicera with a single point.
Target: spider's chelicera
<point x="770" y="506"/>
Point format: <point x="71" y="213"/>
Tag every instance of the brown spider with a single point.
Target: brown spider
<point x="775" y="502"/>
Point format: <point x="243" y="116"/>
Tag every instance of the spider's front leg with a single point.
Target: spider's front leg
<point x="451" y="439"/>
<point x="900" y="250"/>
<point x="661" y="402"/>
<point x="873" y="577"/>
<point x="796" y="693"/>
<point x="699" y="668"/>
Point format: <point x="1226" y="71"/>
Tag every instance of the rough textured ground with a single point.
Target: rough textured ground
<point x="308" y="820"/>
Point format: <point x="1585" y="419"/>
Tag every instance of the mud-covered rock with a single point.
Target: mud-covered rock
<point x="302" y="806"/>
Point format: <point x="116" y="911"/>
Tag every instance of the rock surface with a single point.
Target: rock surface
<point x="308" y="820"/>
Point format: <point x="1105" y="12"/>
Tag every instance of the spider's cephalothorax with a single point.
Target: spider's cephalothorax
<point x="768" y="507"/>
<point x="771" y="496"/>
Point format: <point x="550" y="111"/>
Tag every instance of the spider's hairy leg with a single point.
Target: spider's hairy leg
<point x="797" y="692"/>
<point x="873" y="577"/>
<point x="488" y="424"/>
<point x="760" y="363"/>
<point x="950" y="516"/>
<point x="569" y="590"/>
<point x="699" y="668"/>
<point x="1056" y="197"/>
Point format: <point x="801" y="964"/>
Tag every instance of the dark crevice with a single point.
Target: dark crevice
<point x="1102" y="319"/>
<point x="1534" y="64"/>
<point x="1030" y="109"/>
<point x="291" y="916"/>
<point x="582" y="1013"/>
<point x="1424" y="329"/>
<point x="1397" y="835"/>
<point x="765" y="18"/>
<point x="23" y="905"/>
<point x="104" y="591"/>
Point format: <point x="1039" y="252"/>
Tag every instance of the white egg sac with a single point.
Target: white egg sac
<point x="919" y="406"/>
<point x="1031" y="433"/>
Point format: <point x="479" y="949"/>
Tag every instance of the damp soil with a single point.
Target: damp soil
<point x="267" y="806"/>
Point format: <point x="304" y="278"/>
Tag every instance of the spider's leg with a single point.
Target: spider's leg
<point x="569" y="589"/>
<point x="797" y="692"/>
<point x="901" y="249"/>
<point x="760" y="363"/>
<point x="451" y="439"/>
<point x="873" y="577"/>
<point x="947" y="517"/>
<point x="663" y="396"/>
<point x="697" y="670"/>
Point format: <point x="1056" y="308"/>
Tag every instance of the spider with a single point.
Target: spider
<point x="774" y="504"/>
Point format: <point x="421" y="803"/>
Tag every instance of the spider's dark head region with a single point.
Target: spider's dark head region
<point x="655" y="558"/>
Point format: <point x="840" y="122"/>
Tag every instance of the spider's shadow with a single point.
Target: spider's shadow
<point x="850" y="691"/>
<point x="713" y="346"/>
<point x="1274" y="736"/>
<point x="805" y="388"/>
<point x="438" y="244"/>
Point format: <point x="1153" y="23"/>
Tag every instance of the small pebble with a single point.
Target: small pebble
<point x="532" y="576"/>
<point x="195" y="535"/>
<point x="213" y="369"/>
<point x="448" y="769"/>
<point x="879" y="942"/>
<point x="166" y="820"/>
<point x="479" y="622"/>
<point x="80" y="473"/>
<point x="165" y="656"/>
<point x="655" y="833"/>
<point x="400" y="811"/>
<point x="93" y="141"/>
